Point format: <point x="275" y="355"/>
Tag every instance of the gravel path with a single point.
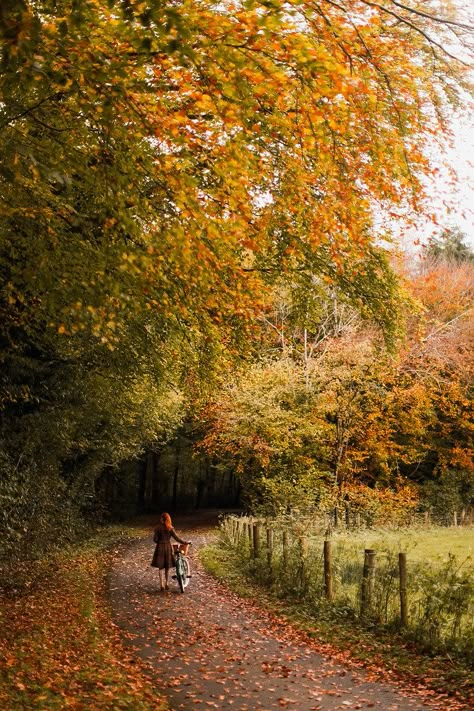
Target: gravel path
<point x="211" y="649"/>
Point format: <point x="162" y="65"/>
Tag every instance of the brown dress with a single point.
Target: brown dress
<point x="163" y="555"/>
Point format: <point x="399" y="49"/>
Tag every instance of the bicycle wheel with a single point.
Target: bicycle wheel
<point x="180" y="576"/>
<point x="186" y="572"/>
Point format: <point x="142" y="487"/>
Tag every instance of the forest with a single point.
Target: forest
<point x="198" y="273"/>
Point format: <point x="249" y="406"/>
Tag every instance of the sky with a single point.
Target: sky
<point x="459" y="198"/>
<point x="453" y="203"/>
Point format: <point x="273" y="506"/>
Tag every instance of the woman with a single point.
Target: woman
<point x="163" y="556"/>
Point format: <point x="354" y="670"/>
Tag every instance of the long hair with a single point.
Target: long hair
<point x="166" y="521"/>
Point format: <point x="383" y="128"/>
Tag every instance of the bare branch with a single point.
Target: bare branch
<point x="434" y="18"/>
<point x="444" y="326"/>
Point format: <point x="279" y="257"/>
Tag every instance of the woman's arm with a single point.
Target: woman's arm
<point x="177" y="538"/>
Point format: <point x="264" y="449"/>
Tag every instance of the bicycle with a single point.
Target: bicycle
<point x="181" y="562"/>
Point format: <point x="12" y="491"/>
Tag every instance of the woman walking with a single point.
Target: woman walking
<point x="163" y="556"/>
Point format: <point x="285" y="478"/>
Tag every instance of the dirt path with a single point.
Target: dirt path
<point x="210" y="649"/>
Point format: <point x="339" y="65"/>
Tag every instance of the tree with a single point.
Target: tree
<point x="439" y="359"/>
<point x="264" y="426"/>
<point x="79" y="410"/>
<point x="450" y="245"/>
<point x="166" y="149"/>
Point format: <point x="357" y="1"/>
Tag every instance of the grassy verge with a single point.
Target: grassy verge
<point x="58" y="647"/>
<point x="386" y="653"/>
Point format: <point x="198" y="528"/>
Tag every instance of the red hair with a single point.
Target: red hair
<point x="166" y="521"/>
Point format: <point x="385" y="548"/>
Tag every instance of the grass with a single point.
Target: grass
<point x="58" y="648"/>
<point x="420" y="544"/>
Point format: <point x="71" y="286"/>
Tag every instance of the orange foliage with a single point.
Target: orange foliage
<point x="385" y="505"/>
<point x="58" y="648"/>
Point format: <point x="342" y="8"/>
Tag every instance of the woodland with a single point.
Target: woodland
<point x="197" y="264"/>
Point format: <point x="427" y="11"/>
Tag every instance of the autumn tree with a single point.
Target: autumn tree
<point x="438" y="361"/>
<point x="179" y="147"/>
<point x="330" y="415"/>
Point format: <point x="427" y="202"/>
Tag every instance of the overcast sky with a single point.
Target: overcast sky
<point x="453" y="203"/>
<point x="459" y="208"/>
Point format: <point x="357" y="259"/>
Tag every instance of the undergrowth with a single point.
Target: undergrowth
<point x="58" y="648"/>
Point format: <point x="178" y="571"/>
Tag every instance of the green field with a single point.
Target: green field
<point x="420" y="544"/>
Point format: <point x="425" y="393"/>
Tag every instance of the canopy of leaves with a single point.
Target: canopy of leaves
<point x="170" y="157"/>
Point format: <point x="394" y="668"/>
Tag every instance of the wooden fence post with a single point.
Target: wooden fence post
<point x="402" y="571"/>
<point x="455" y="518"/>
<point x="249" y="536"/>
<point x="269" y="547"/>
<point x="303" y="558"/>
<point x="284" y="543"/>
<point x="368" y="580"/>
<point x="256" y="540"/>
<point x="348" y="516"/>
<point x="328" y="571"/>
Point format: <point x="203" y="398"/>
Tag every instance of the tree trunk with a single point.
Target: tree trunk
<point x="328" y="571"/>
<point x="142" y="475"/>
<point x="155" y="480"/>
<point x="176" y="473"/>
<point x="402" y="571"/>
